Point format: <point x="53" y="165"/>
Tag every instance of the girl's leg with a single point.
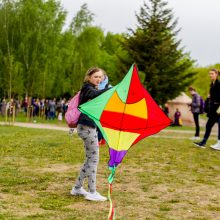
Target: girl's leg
<point x="89" y="168"/>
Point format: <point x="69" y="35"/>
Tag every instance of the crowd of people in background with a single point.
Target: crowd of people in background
<point x="48" y="109"/>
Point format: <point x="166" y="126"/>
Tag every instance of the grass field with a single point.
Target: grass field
<point x="160" y="178"/>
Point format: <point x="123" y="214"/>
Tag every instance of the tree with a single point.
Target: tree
<point x="111" y="51"/>
<point x="86" y="47"/>
<point x="156" y="51"/>
<point x="11" y="69"/>
<point x="38" y="44"/>
<point x="39" y="59"/>
<point x="30" y="55"/>
<point x="83" y="18"/>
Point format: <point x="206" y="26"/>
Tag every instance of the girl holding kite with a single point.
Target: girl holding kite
<point x="87" y="130"/>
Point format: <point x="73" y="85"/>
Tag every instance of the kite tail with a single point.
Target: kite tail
<point x="111" y="215"/>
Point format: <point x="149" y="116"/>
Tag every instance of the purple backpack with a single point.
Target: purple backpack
<point x="72" y="114"/>
<point x="202" y="106"/>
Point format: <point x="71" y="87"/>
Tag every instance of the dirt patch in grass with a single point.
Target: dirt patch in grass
<point x="58" y="168"/>
<point x="49" y="168"/>
<point x="4" y="196"/>
<point x="21" y="205"/>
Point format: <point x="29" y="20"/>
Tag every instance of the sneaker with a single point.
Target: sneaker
<point x="195" y="138"/>
<point x="199" y="144"/>
<point x="78" y="192"/>
<point x="95" y="197"/>
<point x="216" y="146"/>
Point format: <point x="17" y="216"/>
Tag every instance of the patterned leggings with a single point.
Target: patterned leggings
<point x="89" y="168"/>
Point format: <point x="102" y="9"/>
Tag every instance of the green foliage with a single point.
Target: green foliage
<point x="92" y="48"/>
<point x="110" y="62"/>
<point x="154" y="48"/>
<point x="38" y="58"/>
<point x="28" y="45"/>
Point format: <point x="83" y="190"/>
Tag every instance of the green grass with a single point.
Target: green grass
<point x="159" y="178"/>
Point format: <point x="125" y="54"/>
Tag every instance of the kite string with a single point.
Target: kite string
<point x="111" y="215"/>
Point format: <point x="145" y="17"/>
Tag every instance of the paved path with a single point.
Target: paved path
<point x="38" y="125"/>
<point x="166" y="133"/>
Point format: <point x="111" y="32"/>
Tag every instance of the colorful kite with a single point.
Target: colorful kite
<point x="125" y="114"/>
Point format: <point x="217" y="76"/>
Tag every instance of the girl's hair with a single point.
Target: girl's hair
<point x="215" y="70"/>
<point x="91" y="71"/>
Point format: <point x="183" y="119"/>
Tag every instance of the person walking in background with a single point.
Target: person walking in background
<point x="213" y="116"/>
<point x="87" y="130"/>
<point x="195" y="109"/>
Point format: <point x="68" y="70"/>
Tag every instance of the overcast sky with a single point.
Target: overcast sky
<point x="199" y="21"/>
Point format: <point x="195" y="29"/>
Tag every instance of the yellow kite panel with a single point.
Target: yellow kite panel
<point x="138" y="109"/>
<point x="120" y="140"/>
